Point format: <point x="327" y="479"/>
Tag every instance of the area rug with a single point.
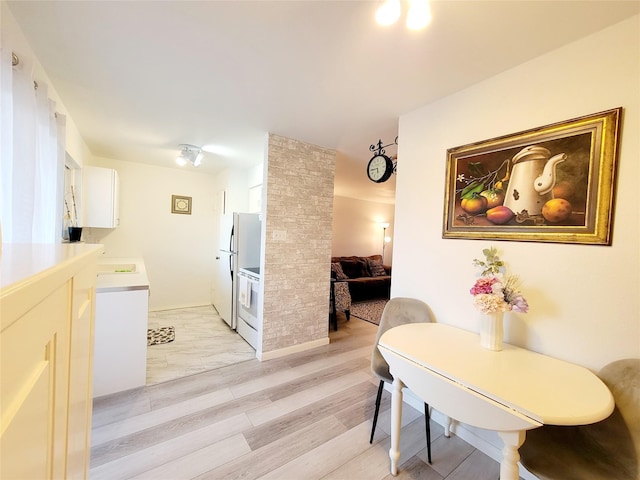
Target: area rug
<point x="370" y="311"/>
<point x="158" y="336"/>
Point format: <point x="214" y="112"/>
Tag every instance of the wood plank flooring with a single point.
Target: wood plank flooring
<point x="305" y="416"/>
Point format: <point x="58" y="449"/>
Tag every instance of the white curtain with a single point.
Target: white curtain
<point x="6" y="142"/>
<point x="31" y="165"/>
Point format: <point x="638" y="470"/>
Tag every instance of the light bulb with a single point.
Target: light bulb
<point x="388" y="12"/>
<point x="419" y="14"/>
<point x="198" y="160"/>
<point x="387" y="239"/>
<point x="181" y="161"/>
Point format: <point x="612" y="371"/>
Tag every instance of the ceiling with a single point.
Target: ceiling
<point x="141" y="77"/>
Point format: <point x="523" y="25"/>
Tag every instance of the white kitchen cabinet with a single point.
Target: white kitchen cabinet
<point x="100" y="188"/>
<point x="47" y="295"/>
<point x="122" y="310"/>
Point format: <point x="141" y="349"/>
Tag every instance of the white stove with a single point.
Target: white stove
<point x="248" y="300"/>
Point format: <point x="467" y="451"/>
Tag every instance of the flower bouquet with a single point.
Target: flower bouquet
<point x="493" y="291"/>
<point x="493" y="294"/>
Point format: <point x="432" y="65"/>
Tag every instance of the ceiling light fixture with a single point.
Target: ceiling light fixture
<point x="189" y="153"/>
<point x="418" y="15"/>
<point x="388" y="13"/>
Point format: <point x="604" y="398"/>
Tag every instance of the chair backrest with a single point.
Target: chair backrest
<point x="397" y="311"/>
<point x="623" y="379"/>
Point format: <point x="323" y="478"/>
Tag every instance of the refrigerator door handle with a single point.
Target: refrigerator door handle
<point x="231" y="266"/>
<point x="231" y="239"/>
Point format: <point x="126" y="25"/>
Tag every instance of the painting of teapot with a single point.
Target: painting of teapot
<point x="532" y="178"/>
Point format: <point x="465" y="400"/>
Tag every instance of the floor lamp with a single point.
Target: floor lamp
<point x="385" y="239"/>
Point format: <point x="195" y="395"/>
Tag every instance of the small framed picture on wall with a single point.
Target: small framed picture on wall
<point x="181" y="204"/>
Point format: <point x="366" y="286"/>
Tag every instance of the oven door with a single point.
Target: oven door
<point x="247" y="325"/>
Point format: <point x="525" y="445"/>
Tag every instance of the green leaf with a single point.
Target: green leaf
<point x="469" y="190"/>
<point x="477" y="169"/>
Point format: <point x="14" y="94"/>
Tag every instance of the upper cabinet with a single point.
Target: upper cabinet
<point x="255" y="199"/>
<point x="100" y="187"/>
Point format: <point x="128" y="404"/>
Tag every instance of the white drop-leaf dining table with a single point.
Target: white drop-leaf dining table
<point x="508" y="391"/>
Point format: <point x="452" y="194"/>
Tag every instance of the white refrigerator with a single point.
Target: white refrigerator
<point x="239" y="247"/>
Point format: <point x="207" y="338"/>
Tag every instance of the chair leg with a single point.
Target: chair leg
<point x="427" y="418"/>
<point x="347" y="314"/>
<point x="375" y="415"/>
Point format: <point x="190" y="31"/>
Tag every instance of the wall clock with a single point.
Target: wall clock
<point x="380" y="168"/>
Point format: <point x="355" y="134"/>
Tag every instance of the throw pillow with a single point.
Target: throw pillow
<point x="354" y="268"/>
<point x="337" y="273"/>
<point x="376" y="268"/>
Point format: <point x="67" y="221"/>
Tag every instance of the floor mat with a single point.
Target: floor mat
<point x="158" y="336"/>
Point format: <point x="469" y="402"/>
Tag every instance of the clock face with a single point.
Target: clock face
<point x="380" y="168"/>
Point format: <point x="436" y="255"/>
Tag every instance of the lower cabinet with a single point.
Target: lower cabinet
<point x="46" y="340"/>
<point x="120" y="350"/>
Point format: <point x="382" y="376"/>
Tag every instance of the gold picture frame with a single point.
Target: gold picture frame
<point x="549" y="184"/>
<point x="181" y="204"/>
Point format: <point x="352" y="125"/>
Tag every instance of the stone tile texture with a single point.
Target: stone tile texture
<point x="298" y="215"/>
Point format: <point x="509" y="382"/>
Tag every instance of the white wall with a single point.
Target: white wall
<point x="356" y="229"/>
<point x="584" y="300"/>
<point x="178" y="250"/>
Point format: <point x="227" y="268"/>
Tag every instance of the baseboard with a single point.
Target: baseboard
<point x="177" y="307"/>
<point x="466" y="433"/>
<point x="301" y="347"/>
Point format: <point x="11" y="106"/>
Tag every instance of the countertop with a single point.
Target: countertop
<point x="121" y="281"/>
<point x="20" y="262"/>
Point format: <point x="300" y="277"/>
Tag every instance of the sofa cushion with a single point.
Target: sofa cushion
<point x="375" y="267"/>
<point x="336" y="271"/>
<point x="354" y="267"/>
<point x="369" y="288"/>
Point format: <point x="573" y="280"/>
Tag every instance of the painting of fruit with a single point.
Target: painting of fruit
<point x="475" y="204"/>
<point x="494" y="196"/>
<point x="499" y="215"/>
<point x="564" y="189"/>
<point x="556" y="210"/>
<point x="553" y="183"/>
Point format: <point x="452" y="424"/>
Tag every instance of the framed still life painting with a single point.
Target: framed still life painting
<point x="549" y="184"/>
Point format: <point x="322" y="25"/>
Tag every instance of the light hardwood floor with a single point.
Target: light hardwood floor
<point x="304" y="416"/>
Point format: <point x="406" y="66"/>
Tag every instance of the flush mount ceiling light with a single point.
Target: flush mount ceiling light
<point x="418" y="15"/>
<point x="189" y="153"/>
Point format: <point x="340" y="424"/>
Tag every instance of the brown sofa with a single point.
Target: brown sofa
<point x="367" y="278"/>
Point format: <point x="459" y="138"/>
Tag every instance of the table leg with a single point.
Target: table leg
<point x="510" y="456"/>
<point x="447" y="426"/>
<point x="396" y="424"/>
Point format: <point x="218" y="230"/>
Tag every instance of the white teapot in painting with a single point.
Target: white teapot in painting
<point x="533" y="175"/>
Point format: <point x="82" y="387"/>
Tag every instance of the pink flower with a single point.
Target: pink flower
<point x="495" y="292"/>
<point x="483" y="285"/>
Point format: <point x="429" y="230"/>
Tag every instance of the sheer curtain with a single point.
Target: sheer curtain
<point x="32" y="162"/>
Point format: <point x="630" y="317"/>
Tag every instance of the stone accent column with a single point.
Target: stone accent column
<point x="298" y="215"/>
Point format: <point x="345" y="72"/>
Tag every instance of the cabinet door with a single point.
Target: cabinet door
<point x="100" y="187"/>
<point x="34" y="359"/>
<point x="80" y="374"/>
<point x="120" y="350"/>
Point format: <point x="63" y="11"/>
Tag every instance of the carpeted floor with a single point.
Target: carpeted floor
<point x="370" y="311"/>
